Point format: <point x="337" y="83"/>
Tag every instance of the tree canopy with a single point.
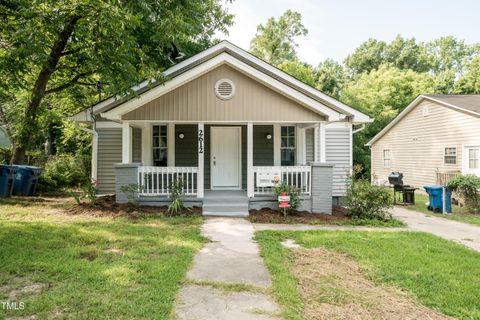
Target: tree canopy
<point x="57" y="51"/>
<point x="274" y="42"/>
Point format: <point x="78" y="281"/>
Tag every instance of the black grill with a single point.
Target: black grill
<point x="408" y="193"/>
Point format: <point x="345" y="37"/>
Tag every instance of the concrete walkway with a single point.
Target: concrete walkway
<point x="232" y="257"/>
<point x="463" y="233"/>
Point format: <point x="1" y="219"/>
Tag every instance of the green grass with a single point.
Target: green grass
<point x="90" y="267"/>
<point x="458" y="213"/>
<point x="440" y="274"/>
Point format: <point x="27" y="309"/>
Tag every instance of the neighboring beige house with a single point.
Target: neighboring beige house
<point x="228" y="124"/>
<point x="432" y="139"/>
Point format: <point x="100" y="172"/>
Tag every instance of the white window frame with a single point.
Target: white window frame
<point x="387" y="160"/>
<point x="159" y="147"/>
<point x="466" y="160"/>
<point x="294" y="148"/>
<point x="449" y="155"/>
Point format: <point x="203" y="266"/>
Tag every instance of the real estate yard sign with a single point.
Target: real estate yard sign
<point x="268" y="177"/>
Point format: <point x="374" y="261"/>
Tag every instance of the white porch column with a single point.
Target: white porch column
<point x="147" y="144"/>
<point x="201" y="158"/>
<point x="126" y="142"/>
<point x="316" y="144"/>
<point x="94" y="155"/>
<point x="323" y="141"/>
<point x="277" y="140"/>
<point x="250" y="182"/>
<point x="301" y="150"/>
<point x="171" y="145"/>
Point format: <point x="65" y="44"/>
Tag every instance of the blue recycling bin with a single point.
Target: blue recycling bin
<point x="435" y="196"/>
<point x="26" y="180"/>
<point x="7" y="178"/>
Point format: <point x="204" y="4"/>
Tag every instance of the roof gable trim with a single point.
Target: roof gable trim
<point x="116" y="113"/>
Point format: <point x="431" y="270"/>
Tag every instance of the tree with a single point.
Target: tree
<point x="470" y="82"/>
<point x="274" y="42"/>
<point x="299" y="70"/>
<point x="51" y="47"/>
<point x="367" y="57"/>
<point x="330" y="77"/>
<point x="382" y="94"/>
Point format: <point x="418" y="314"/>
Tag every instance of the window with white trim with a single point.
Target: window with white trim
<point x="386" y="158"/>
<point x="474" y="158"/>
<point x="159" y="145"/>
<point x="450" y="156"/>
<point x="287" y="147"/>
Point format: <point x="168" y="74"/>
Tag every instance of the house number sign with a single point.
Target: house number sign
<point x="200" y="141"/>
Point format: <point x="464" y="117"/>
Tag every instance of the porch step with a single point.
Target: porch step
<point x="225" y="203"/>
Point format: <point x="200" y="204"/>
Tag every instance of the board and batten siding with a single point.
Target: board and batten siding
<point x="109" y="153"/>
<point x="196" y="101"/>
<point x="338" y="152"/>
<point x="417" y="143"/>
<point x="137" y="145"/>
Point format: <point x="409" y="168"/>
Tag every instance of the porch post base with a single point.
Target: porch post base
<point x="126" y="174"/>
<point x="322" y="184"/>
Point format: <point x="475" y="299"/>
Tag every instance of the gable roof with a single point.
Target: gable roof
<point x="468" y="103"/>
<point x="227" y="52"/>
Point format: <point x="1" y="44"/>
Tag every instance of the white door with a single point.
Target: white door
<point x="471" y="160"/>
<point x="225" y="157"/>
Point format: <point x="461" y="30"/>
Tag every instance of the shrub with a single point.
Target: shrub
<point x="290" y="191"/>
<point x="63" y="171"/>
<point x="367" y="201"/>
<point x="131" y="191"/>
<point x="467" y="187"/>
<point x="89" y="192"/>
<point x="176" y="193"/>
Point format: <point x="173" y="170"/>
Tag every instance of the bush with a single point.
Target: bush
<point x="367" y="201"/>
<point x="290" y="191"/>
<point x="176" y="193"/>
<point x="89" y="193"/>
<point x="63" y="171"/>
<point x="467" y="187"/>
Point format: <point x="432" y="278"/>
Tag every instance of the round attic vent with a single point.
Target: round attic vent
<point x="224" y="89"/>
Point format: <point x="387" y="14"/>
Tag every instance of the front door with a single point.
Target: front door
<point x="471" y="160"/>
<point x="225" y="157"/>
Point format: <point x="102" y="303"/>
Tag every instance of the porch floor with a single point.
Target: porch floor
<point x="231" y="203"/>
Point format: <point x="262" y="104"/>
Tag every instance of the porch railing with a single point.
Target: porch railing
<point x="442" y="178"/>
<point x="298" y="176"/>
<point x="155" y="181"/>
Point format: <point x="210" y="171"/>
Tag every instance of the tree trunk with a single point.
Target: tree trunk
<point x="29" y="122"/>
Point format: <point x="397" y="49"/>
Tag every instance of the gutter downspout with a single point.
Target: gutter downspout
<point x="94" y="150"/>
<point x="359" y="129"/>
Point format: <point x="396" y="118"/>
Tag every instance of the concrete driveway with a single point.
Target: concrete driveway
<point x="463" y="233"/>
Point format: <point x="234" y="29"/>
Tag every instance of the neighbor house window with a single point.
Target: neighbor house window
<point x="386" y="158"/>
<point x="160" y="146"/>
<point x="450" y="156"/>
<point x="287" y="148"/>
<point x="474" y="158"/>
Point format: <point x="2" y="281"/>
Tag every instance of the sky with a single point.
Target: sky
<point x="336" y="28"/>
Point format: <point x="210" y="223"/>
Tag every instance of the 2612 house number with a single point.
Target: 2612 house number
<point x="200" y="141"/>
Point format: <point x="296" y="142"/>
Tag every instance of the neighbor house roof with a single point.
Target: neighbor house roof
<point x="468" y="103"/>
<point x="282" y="79"/>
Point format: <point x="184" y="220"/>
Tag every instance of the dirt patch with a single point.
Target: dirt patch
<point x="333" y="287"/>
<point x="106" y="206"/>
<point x="267" y="215"/>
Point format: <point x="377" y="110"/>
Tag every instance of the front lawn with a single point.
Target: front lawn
<point x="439" y="274"/>
<point x="61" y="265"/>
<point x="458" y="213"/>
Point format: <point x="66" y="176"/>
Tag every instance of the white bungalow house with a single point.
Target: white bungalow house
<point x="435" y="137"/>
<point x="227" y="123"/>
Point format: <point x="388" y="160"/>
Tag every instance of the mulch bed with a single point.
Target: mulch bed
<point x="107" y="207"/>
<point x="267" y="215"/>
